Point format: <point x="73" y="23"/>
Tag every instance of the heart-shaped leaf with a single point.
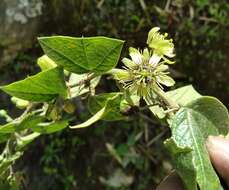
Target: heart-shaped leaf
<point x="83" y="55"/>
<point x="43" y="86"/>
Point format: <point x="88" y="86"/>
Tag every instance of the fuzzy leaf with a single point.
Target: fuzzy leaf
<point x="43" y="86"/>
<point x="190" y="127"/>
<point x="184" y="95"/>
<point x="83" y="55"/>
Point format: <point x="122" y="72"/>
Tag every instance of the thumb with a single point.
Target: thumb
<point x="218" y="148"/>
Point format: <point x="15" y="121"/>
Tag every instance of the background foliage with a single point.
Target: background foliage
<point x="96" y="157"/>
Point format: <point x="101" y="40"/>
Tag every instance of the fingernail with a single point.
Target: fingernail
<point x="218" y="148"/>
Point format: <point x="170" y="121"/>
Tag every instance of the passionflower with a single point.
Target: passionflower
<point x="144" y="73"/>
<point x="160" y="44"/>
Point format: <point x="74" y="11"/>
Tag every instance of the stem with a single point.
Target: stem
<point x="89" y="77"/>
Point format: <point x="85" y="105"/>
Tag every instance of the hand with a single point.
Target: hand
<point x="218" y="148"/>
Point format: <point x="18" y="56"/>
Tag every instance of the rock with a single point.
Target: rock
<point x="19" y="26"/>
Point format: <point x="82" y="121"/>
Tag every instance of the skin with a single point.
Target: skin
<point x="218" y="148"/>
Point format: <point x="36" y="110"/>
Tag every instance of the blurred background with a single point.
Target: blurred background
<point x="112" y="155"/>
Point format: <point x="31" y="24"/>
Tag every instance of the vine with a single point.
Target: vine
<point x="72" y="68"/>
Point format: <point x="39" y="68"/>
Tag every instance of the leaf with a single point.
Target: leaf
<point x="128" y="102"/>
<point x="92" y="120"/>
<point x="43" y="86"/>
<point x="190" y="127"/>
<point x="184" y="95"/>
<point x="83" y="55"/>
<point x="157" y="110"/>
<point x="17" y="125"/>
<point x="4" y="137"/>
<point x="8" y="128"/>
<point x="50" y="127"/>
<point x="214" y="111"/>
<point x="97" y="102"/>
<point x="183" y="163"/>
<point x="106" y="106"/>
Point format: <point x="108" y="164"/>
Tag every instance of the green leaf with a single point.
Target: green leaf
<point x="128" y="102"/>
<point x="183" y="163"/>
<point x="157" y="110"/>
<point x="106" y="107"/>
<point x="43" y="86"/>
<point x="4" y="137"/>
<point x="99" y="115"/>
<point x="190" y="127"/>
<point x="51" y="127"/>
<point x="83" y="55"/>
<point x="8" y="128"/>
<point x="184" y="95"/>
<point x="17" y="125"/>
<point x="97" y="102"/>
<point x="214" y="111"/>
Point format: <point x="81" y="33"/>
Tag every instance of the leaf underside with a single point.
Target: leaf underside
<point x="190" y="127"/>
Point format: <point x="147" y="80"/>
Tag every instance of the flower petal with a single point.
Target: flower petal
<point x="154" y="60"/>
<point x="161" y="68"/>
<point x="165" y="80"/>
<point x="167" y="60"/>
<point x="121" y="75"/>
<point x="135" y="55"/>
<point x="159" y="43"/>
<point x="128" y="63"/>
<point x="152" y="33"/>
<point x="146" y="54"/>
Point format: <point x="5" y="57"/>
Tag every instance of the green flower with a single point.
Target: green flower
<point x="159" y="43"/>
<point x="143" y="73"/>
